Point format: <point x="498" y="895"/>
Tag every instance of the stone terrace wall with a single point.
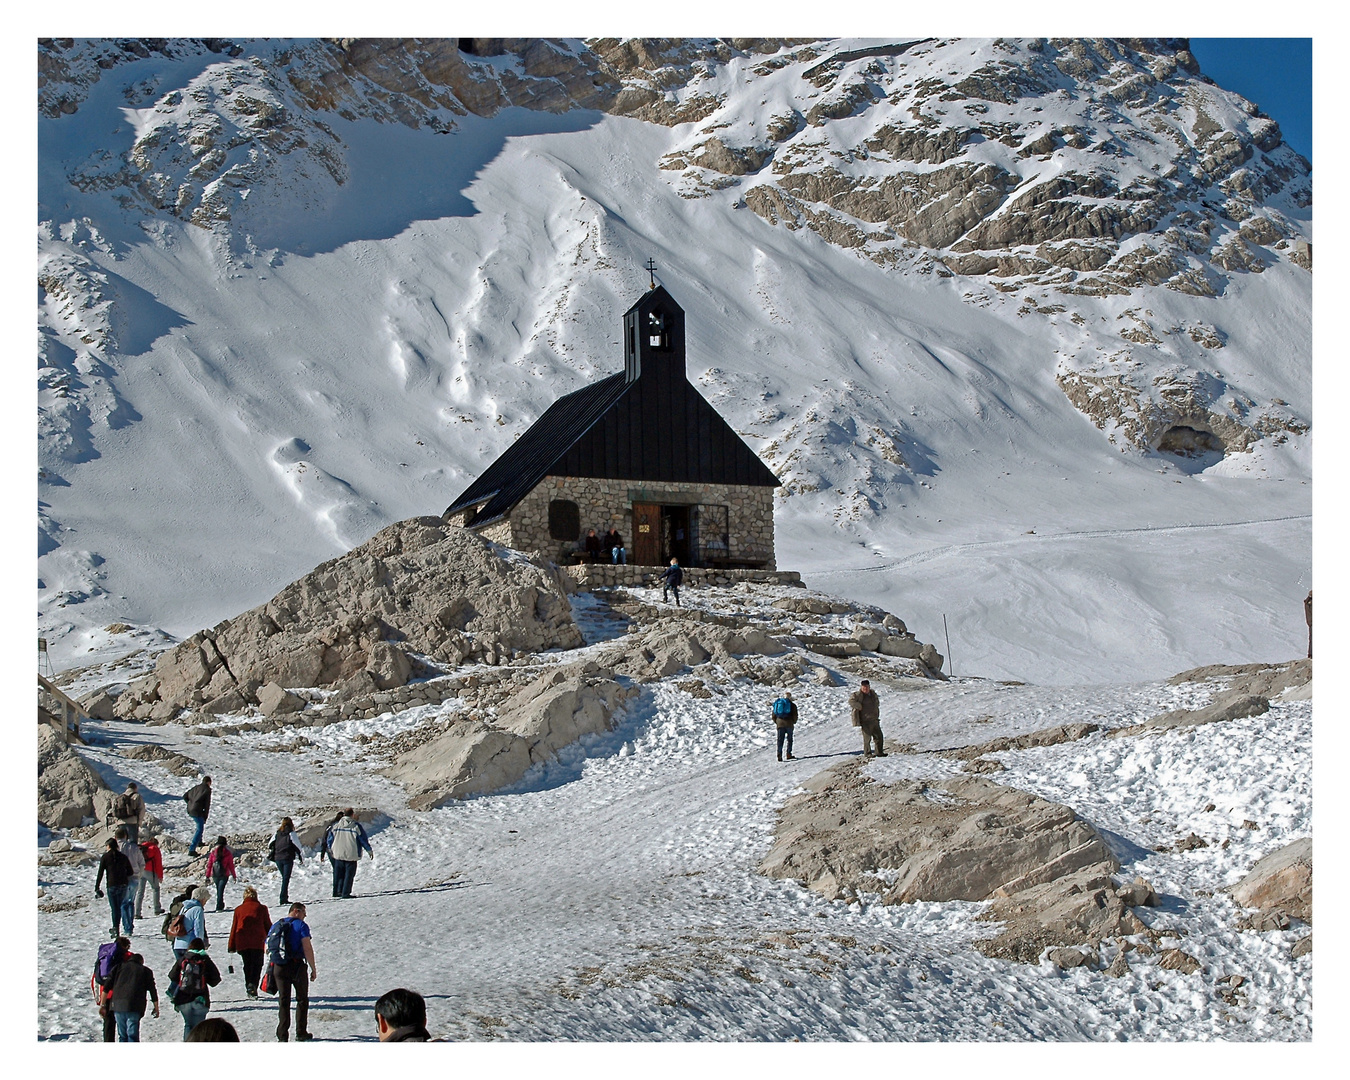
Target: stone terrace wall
<point x="609" y="503"/>
<point x="606" y="575"/>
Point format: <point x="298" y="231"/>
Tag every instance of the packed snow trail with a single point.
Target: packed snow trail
<point x="613" y="894"/>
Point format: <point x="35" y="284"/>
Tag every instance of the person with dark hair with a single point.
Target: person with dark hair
<point x="784" y="719"/>
<point x="220" y="866"/>
<point x="401" y="1016"/>
<point x="614" y="545"/>
<point x="130" y="985"/>
<point x="325" y="852"/>
<point x="592" y="547"/>
<point x="132" y="850"/>
<point x="866" y="708"/>
<point x="347" y="840"/>
<point x="198" y="801"/>
<point x="284" y="851"/>
<point x="213" y="1029"/>
<point x="118" y="868"/>
<point x="291" y="949"/>
<point x="248" y="937"/>
<point x="111" y="957"/>
<point x="191" y="978"/>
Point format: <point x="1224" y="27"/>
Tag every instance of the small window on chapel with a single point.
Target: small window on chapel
<point x="657" y="337"/>
<point x="564" y="520"/>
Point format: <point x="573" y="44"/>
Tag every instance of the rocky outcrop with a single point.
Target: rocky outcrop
<point x="66" y="785"/>
<point x="1228" y="707"/>
<point x="1046" y="872"/>
<point x="1280" y="881"/>
<point x="477" y="756"/>
<point x="417" y="588"/>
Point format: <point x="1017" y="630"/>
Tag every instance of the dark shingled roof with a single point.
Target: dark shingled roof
<point x="647" y="423"/>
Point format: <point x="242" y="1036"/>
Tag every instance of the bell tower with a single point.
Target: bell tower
<point x="653" y="337"/>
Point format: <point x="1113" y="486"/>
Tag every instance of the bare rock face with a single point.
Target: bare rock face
<point x="66" y="785"/>
<point x="475" y="757"/>
<point x="419" y="586"/>
<point x="1280" y="881"/>
<point x="1047" y="872"/>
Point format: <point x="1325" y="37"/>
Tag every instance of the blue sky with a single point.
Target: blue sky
<point x="1275" y="73"/>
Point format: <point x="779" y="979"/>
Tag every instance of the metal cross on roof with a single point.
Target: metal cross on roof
<point x="651" y="270"/>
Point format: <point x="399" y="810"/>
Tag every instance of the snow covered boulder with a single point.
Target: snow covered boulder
<point x="419" y="586"/>
<point x="475" y="757"/>
<point x="1281" y="880"/>
<point x="1046" y="871"/>
<point x="66" y="785"/>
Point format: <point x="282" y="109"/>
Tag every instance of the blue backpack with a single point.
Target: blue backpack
<point x="279" y="950"/>
<point x="782" y="708"/>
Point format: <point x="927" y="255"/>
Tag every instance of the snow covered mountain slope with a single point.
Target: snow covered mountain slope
<point x="1023" y="326"/>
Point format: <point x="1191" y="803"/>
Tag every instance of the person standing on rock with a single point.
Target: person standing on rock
<point x="151" y="876"/>
<point x="248" y="937"/>
<point x="784" y="719"/>
<point x="198" y="801"/>
<point x="219" y="867"/>
<point x="283" y="851"/>
<point x="349" y="839"/>
<point x="867" y="715"/>
<point x="118" y="869"/>
<point x="128" y="810"/>
<point x="673" y="577"/>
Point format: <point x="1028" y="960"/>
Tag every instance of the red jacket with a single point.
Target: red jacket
<point x="250" y="926"/>
<point x="226" y="861"/>
<point x="154" y="860"/>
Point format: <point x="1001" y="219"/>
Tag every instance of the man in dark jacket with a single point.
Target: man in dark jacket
<point x="592" y="547"/>
<point x="614" y="545"/>
<point x="198" y="801"/>
<point x="194" y="973"/>
<point x="784" y="719"/>
<point x="867" y="715"/>
<point x="132" y="982"/>
<point x="673" y="576"/>
<point x="401" y="1016"/>
<point x="118" y="868"/>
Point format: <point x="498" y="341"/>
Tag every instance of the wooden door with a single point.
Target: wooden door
<point x="646" y="549"/>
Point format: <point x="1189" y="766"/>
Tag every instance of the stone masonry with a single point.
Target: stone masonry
<point x="609" y="503"/>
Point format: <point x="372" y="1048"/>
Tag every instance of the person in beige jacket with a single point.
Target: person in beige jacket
<point x="867" y="715"/>
<point x="128" y="811"/>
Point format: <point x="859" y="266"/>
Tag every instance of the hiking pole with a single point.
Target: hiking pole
<point x="951" y="668"/>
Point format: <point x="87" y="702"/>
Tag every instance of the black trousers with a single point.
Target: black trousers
<point x="294" y="976"/>
<point x="253" y="962"/>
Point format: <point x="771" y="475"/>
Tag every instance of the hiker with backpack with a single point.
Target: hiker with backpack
<point x="111" y="956"/>
<point x="784" y="718"/>
<point x="128" y="810"/>
<point x="151" y="875"/>
<point x="219" y="867"/>
<point x="289" y="950"/>
<point x="127" y="998"/>
<point x="198" y="801"/>
<point x="284" y="850"/>
<point x="325" y="852"/>
<point x="118" y="869"/>
<point x="190" y="981"/>
<point x="190" y="922"/>
<point x="346" y="840"/>
<point x="248" y="937"/>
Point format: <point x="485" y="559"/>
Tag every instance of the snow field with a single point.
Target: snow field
<point x="612" y="895"/>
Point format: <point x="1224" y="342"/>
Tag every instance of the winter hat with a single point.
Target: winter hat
<point x="201" y="894"/>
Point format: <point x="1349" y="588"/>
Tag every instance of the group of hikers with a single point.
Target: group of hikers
<point x="277" y="957"/>
<point x="864" y="705"/>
